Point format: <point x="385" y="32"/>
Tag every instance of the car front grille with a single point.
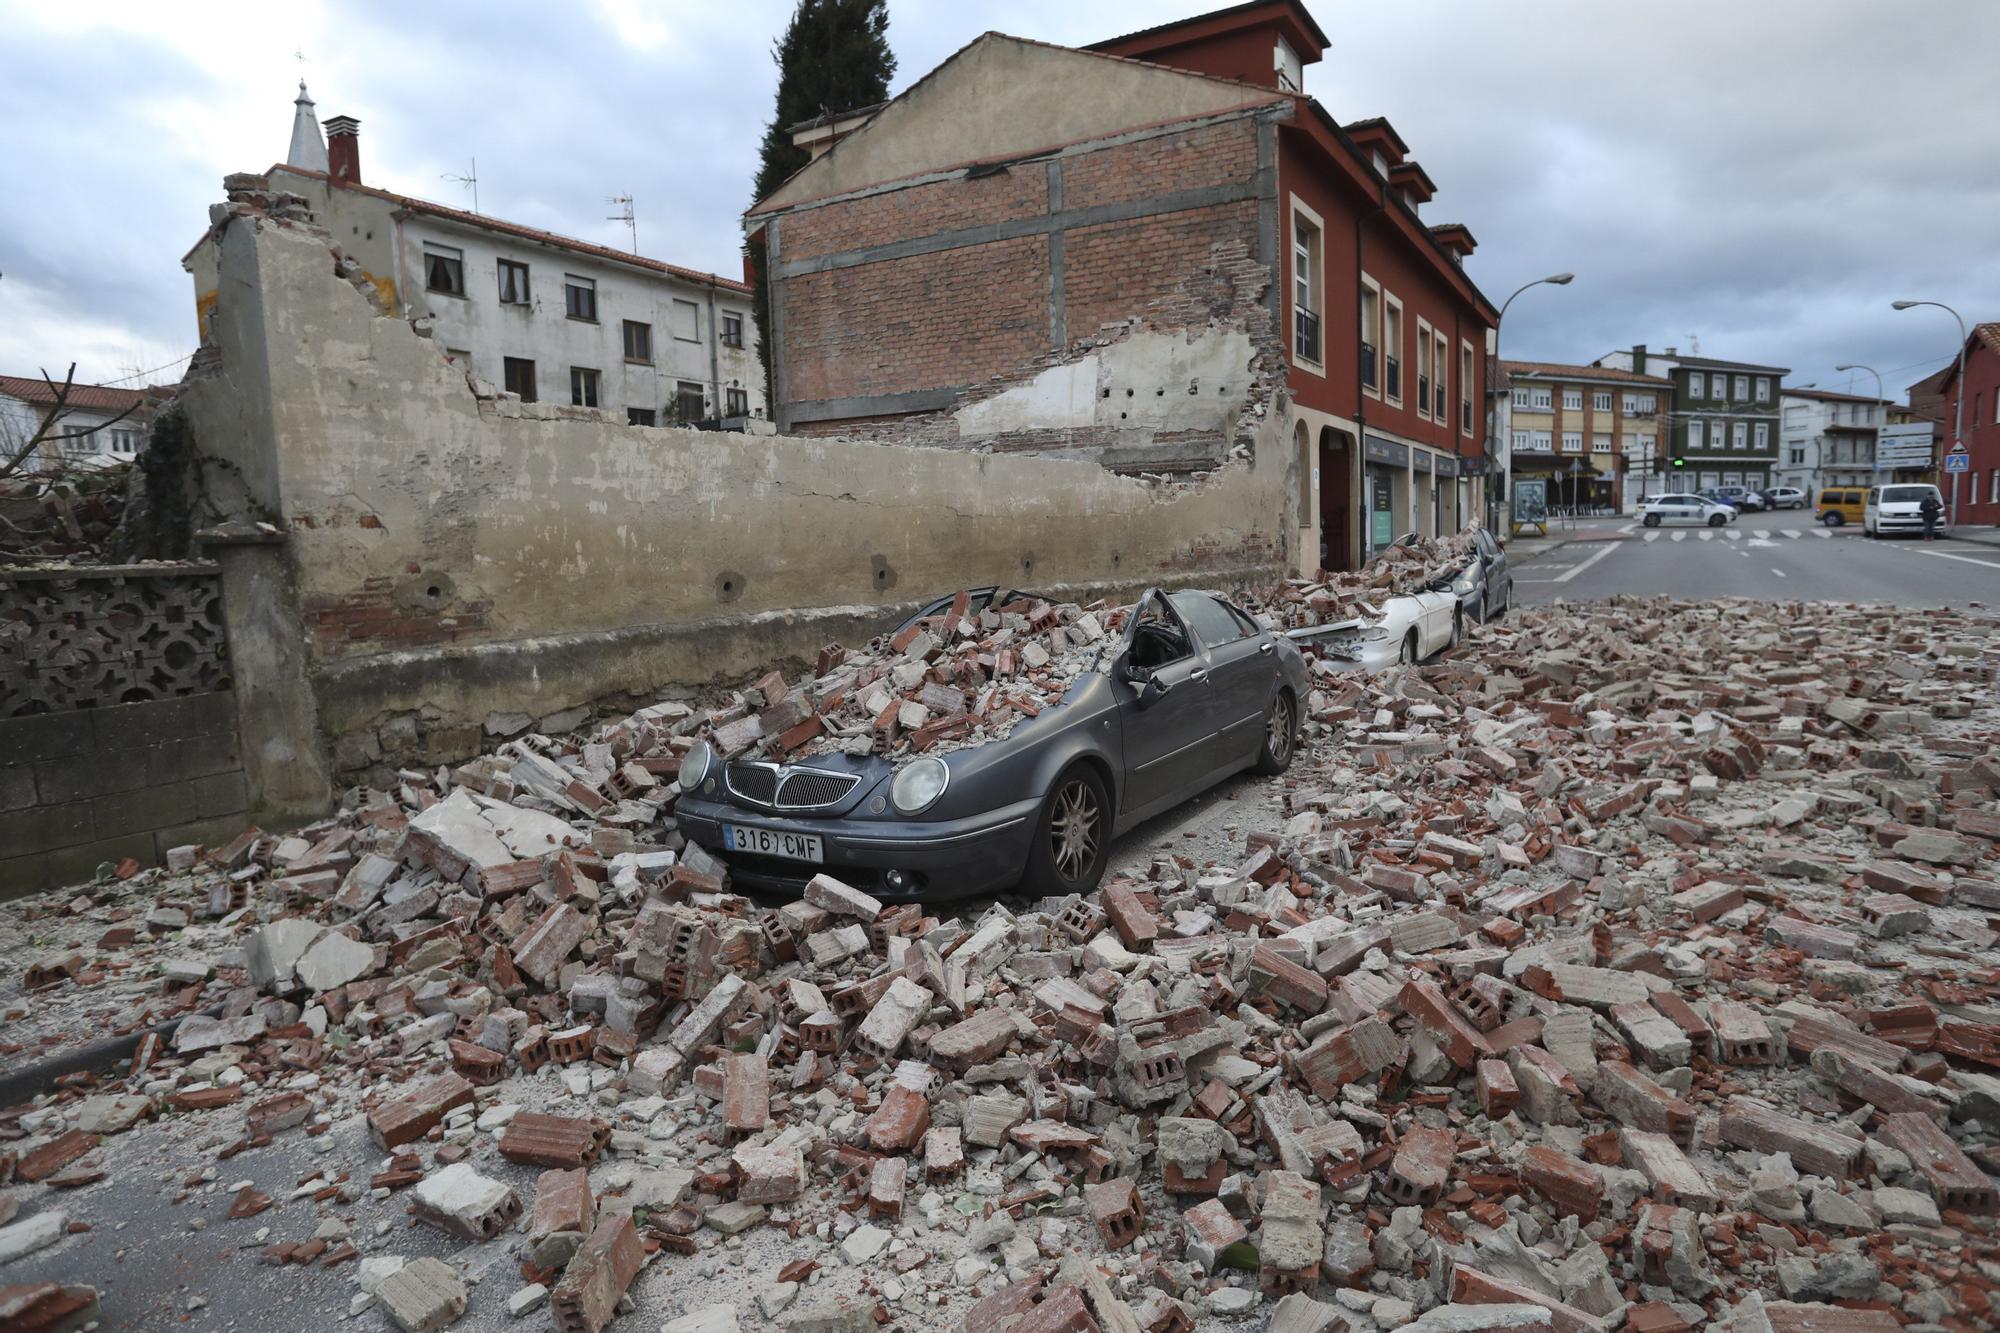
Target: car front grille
<point x="789" y="788"/>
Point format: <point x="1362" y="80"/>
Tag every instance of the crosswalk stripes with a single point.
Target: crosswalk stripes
<point x="1822" y="532"/>
<point x="1734" y="535"/>
<point x="1680" y="536"/>
<point x="1793" y="533"/>
<point x="1652" y="536"/>
<point x="1761" y="534"/>
<point x="1706" y="536"/>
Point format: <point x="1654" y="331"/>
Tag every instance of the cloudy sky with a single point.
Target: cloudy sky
<point x="1763" y="177"/>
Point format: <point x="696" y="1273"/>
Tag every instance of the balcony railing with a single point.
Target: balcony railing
<point x="1465" y="416"/>
<point x="1305" y="335"/>
<point x="1368" y="364"/>
<point x="1439" y="408"/>
<point x="1423" y="393"/>
<point x="1392" y="378"/>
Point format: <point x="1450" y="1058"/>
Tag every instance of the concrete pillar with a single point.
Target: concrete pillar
<point x="284" y="759"/>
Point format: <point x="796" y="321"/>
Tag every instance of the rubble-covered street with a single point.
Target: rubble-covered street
<point x="1630" y="966"/>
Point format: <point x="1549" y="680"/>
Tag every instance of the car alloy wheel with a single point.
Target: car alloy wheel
<point x="1715" y="520"/>
<point x="1281" y="732"/>
<point x="1076" y="828"/>
<point x="1652" y="520"/>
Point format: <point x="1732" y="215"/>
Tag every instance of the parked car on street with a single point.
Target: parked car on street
<point x="1685" y="509"/>
<point x="1486" y="588"/>
<point x="1841" y="505"/>
<point x="1194" y="691"/>
<point x="1897" y="509"/>
<point x="1785" y="497"/>
<point x="1740" y="497"/>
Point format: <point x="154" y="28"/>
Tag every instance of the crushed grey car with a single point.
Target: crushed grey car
<point x="1194" y="691"/>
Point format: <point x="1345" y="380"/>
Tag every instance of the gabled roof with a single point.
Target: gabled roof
<point x="90" y="397"/>
<point x="1829" y="396"/>
<point x="1985" y="335"/>
<point x="1293" y="12"/>
<point x="998" y="75"/>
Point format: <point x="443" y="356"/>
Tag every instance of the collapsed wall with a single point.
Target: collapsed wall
<point x="445" y="564"/>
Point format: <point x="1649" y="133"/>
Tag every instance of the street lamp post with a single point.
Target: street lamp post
<point x="1554" y="280"/>
<point x="1958" y="414"/>
<point x="1874" y="462"/>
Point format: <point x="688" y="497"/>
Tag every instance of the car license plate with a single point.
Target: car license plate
<point x="772" y="842"/>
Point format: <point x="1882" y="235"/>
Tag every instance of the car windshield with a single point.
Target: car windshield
<point x="1905" y="494"/>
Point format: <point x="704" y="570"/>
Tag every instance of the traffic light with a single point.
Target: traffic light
<point x="1680" y="462"/>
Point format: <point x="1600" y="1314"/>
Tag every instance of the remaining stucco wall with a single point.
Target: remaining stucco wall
<point x="461" y="560"/>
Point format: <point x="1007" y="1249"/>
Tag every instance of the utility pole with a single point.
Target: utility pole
<point x="1958" y="414"/>
<point x="1554" y="280"/>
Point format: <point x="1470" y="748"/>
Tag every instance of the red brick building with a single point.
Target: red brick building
<point x="1978" y="487"/>
<point x="1038" y="247"/>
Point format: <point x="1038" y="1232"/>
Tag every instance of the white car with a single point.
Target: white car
<point x="1685" y="509"/>
<point x="1786" y="497"/>
<point x="1892" y="509"/>
<point x="1406" y="629"/>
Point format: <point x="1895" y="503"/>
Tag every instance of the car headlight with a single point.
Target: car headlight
<point x="1463" y="586"/>
<point x="695" y="765"/>
<point x="1375" y="633"/>
<point x="918" y="784"/>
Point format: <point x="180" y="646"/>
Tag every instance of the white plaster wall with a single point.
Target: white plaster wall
<point x="1150" y="381"/>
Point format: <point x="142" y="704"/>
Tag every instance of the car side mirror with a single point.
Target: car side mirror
<point x="1152" y="691"/>
<point x="1130" y="674"/>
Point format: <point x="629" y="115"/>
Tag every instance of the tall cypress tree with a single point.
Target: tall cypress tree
<point x="834" y="56"/>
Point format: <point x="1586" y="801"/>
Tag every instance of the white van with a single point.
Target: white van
<point x="1898" y="508"/>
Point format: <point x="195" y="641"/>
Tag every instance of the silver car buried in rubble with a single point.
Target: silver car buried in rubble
<point x="1193" y="691"/>
<point x="1413" y="627"/>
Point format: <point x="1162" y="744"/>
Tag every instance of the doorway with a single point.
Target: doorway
<point x="1336" y="501"/>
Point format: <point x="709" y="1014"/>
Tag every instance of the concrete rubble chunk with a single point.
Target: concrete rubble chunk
<point x="422" y="1296"/>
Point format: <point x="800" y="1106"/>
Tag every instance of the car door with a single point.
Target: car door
<point x="1496" y="576"/>
<point x="1240" y="657"/>
<point x="1166" y="728"/>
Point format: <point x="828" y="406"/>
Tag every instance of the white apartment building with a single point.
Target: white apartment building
<point x="1827" y="439"/>
<point x="548" y="317"/>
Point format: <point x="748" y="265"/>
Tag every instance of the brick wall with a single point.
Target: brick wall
<point x="923" y="322"/>
<point x="866" y="330"/>
<point x="94" y="785"/>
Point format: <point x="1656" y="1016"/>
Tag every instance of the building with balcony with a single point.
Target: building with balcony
<point x="1591" y="432"/>
<point x="1040" y="195"/>
<point x="1828" y="439"/>
<point x="548" y="317"/>
<point x="1723" y="425"/>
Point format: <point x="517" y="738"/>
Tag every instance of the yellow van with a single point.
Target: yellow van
<point x="1841" y="504"/>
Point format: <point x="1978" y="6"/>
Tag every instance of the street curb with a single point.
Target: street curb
<point x="23" y="1085"/>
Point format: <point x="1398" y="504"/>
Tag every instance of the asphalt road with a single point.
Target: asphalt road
<point x="1782" y="557"/>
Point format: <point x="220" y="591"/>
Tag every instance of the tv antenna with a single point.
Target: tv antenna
<point x="623" y="202"/>
<point x="1694" y="344"/>
<point x="470" y="180"/>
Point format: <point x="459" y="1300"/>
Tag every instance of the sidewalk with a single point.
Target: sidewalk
<point x="1531" y="546"/>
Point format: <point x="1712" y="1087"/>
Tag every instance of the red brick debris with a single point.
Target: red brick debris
<point x="1633" y="964"/>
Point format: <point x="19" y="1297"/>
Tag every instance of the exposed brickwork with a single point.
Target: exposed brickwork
<point x="1111" y="270"/>
<point x="1189" y="160"/>
<point x="923" y="322"/>
<point x="369" y="620"/>
<point x="920" y="210"/>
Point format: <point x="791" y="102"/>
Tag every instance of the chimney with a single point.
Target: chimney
<point x="343" y="149"/>
<point x="1673" y="351"/>
<point x="1638" y="350"/>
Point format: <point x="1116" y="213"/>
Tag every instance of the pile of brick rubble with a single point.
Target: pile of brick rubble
<point x="1633" y="967"/>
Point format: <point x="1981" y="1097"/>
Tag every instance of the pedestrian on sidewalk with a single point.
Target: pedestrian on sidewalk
<point x="1930" y="509"/>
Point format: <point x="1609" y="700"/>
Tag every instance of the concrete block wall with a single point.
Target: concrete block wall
<point x="92" y="785"/>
